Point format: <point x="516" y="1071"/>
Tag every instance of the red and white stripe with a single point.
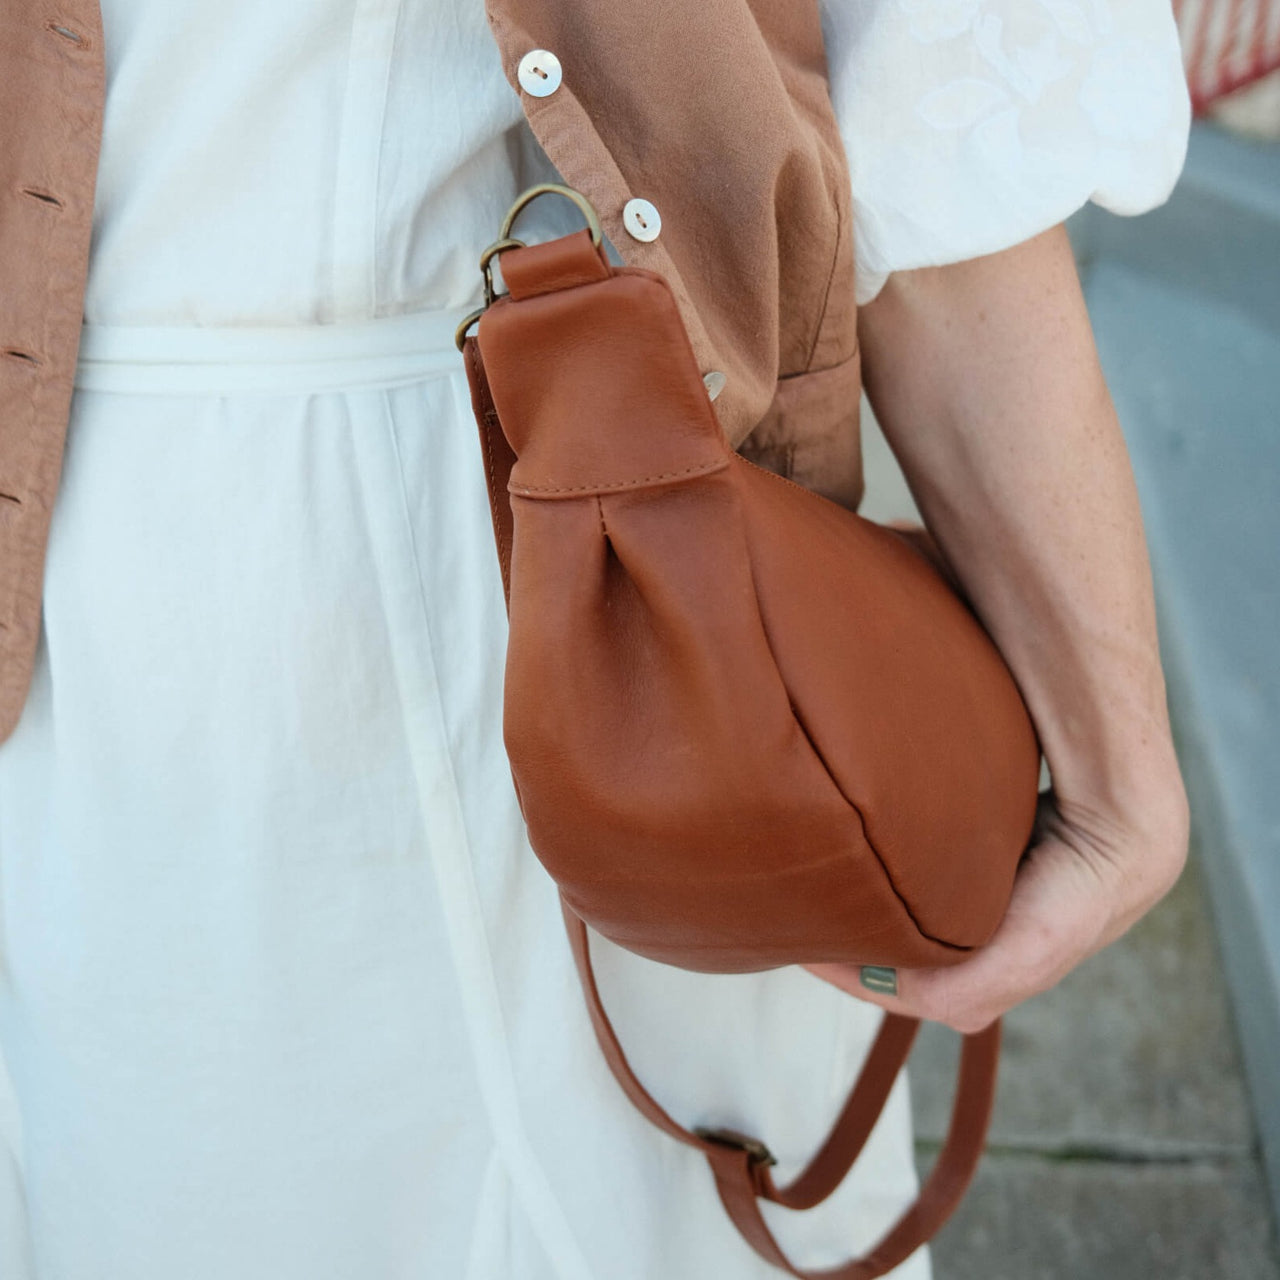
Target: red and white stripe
<point x="1227" y="44"/>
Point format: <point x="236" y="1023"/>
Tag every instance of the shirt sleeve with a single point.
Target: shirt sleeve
<point x="972" y="125"/>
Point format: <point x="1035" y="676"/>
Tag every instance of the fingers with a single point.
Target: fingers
<point x="1074" y="893"/>
<point x="930" y="994"/>
<point x="1055" y="918"/>
<point x="933" y="995"/>
<point x="849" y="978"/>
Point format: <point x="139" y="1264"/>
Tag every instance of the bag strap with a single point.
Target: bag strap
<point x="740" y="1164"/>
<point x="499" y="458"/>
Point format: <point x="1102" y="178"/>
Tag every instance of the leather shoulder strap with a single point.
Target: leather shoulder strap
<point x="741" y="1164"/>
<point x="498" y="456"/>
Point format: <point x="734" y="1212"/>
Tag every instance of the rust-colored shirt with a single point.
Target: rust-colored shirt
<point x="734" y="139"/>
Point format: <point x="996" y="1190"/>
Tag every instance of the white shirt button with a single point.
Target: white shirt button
<point x="539" y="73"/>
<point x="714" y="382"/>
<point x="641" y="219"/>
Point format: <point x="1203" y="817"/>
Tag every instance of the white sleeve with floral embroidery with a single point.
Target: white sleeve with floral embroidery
<point x="972" y="125"/>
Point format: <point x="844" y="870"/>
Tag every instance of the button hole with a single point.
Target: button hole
<point x="67" y="34"/>
<point x="15" y="354"/>
<point x="36" y="194"/>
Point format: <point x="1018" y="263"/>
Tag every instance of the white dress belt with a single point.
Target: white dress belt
<point x="384" y="351"/>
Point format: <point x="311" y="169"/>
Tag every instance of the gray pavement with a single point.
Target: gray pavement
<point x="1139" y="1098"/>
<point x="1123" y="1144"/>
<point x="1186" y="305"/>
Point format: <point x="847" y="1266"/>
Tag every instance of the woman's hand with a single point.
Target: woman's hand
<point x="1085" y="878"/>
<point x="985" y="380"/>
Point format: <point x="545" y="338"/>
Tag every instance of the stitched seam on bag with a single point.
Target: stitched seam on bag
<point x="862" y="822"/>
<point x="800" y="724"/>
<point x="503" y="550"/>
<point x="795" y="484"/>
<point x="489" y="413"/>
<point x="702" y="468"/>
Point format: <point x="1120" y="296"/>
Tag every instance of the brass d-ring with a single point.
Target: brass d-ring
<point x="460" y="333"/>
<point x="555" y="188"/>
<point x="506" y="241"/>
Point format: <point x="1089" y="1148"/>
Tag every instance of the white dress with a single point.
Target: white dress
<point x="283" y="990"/>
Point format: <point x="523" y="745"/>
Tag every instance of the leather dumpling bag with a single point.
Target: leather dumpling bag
<point x="747" y="727"/>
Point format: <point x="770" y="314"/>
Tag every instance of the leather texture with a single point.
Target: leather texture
<point x="747" y="727"/>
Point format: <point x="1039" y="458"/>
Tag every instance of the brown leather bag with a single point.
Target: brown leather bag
<point x="747" y="727"/>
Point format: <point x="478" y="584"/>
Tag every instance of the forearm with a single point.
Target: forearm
<point x="985" y="380"/>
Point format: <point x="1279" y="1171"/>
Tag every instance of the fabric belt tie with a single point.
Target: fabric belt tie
<point x="384" y="351"/>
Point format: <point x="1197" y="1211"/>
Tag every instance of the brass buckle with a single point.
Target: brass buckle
<point x="506" y="241"/>
<point x="755" y="1149"/>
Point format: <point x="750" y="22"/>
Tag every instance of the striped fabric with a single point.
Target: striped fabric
<point x="1227" y="44"/>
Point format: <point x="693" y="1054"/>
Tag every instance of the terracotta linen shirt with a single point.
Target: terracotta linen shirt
<point x="753" y="185"/>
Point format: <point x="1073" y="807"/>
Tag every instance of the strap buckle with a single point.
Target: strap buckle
<point x="755" y="1149"/>
<point x="507" y="241"/>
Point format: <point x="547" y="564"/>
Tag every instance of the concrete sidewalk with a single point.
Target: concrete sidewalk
<point x="1126" y="1138"/>
<point x="1123" y="1145"/>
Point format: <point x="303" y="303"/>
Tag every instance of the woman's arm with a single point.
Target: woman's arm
<point x="985" y="379"/>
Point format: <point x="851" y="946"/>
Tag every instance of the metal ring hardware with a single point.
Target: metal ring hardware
<point x="755" y="1149"/>
<point x="506" y="241"/>
<point x="555" y="188"/>
<point x="486" y="260"/>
